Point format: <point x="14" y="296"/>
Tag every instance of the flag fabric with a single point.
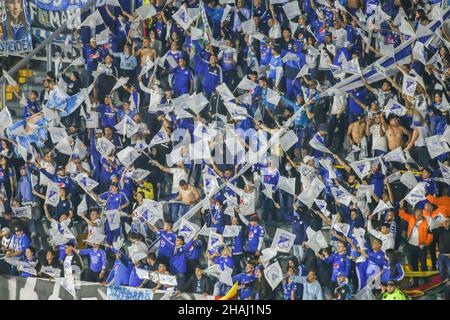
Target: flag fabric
<point x="382" y="206"/>
<point x="273" y="274"/>
<point x="312" y="192"/>
<point x="104" y="146"/>
<point x="113" y="218"/>
<point x="408" y="179"/>
<point x="127" y="156"/>
<point x="188" y="230"/>
<point x="394" y="107"/>
<point x="85" y="182"/>
<point x="288" y="140"/>
<point x="316" y="144"/>
<point x="361" y="168"/>
<point x="231" y="231"/>
<point x="22" y="212"/>
<point x="292" y="9"/>
<point x="127" y="127"/>
<point x="182" y="18"/>
<point x="287" y="184"/>
<point x="146" y="11"/>
<point x="395" y="155"/>
<point x="160" y="137"/>
<point x="409" y="85"/>
<point x="417" y="194"/>
<point x="436" y="146"/>
<point x="214" y="240"/>
<point x="52" y="195"/>
<point x="351" y="66"/>
<point x="283" y="240"/>
<point x="9" y="79"/>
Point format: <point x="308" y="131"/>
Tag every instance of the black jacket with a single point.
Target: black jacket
<point x="205" y="285"/>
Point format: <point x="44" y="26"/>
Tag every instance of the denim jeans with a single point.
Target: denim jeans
<point x="444" y="266"/>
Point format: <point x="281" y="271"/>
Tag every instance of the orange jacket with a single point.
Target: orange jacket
<point x="443" y="204"/>
<point x="425" y="237"/>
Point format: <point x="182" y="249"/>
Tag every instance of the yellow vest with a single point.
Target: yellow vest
<point x="147" y="189"/>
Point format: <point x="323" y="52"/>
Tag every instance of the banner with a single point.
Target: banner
<point x="15" y="32"/>
<point x="30" y="288"/>
<point x="125" y="293"/>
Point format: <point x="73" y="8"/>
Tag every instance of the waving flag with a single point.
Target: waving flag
<point x="160" y="137"/>
<point x="394" y="107"/>
<point x="52" y="195"/>
<point x="85" y="182"/>
<point x="283" y="240"/>
<point x="273" y="274"/>
<point x="361" y="168"/>
<point x="395" y="155"/>
<point x="127" y="127"/>
<point x="127" y="156"/>
<point x="417" y="194"/>
<point x="188" y="230"/>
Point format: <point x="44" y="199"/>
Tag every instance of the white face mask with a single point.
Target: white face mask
<point x="288" y="168"/>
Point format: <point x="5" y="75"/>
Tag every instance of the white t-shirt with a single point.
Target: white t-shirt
<point x="98" y="230"/>
<point x="177" y="175"/>
<point x="414" y="239"/>
<point x="50" y="168"/>
<point x="378" y="142"/>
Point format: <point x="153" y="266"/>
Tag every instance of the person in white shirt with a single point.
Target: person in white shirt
<point x="385" y="235"/>
<point x="311" y="287"/>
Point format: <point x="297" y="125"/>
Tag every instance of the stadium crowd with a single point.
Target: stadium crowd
<point x="300" y="149"/>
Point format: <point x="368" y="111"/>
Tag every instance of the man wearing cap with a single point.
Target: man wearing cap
<point x="320" y="136"/>
<point x="115" y="200"/>
<point x="392" y="292"/>
<point x="60" y="178"/>
<point x="343" y="290"/>
<point x="19" y="242"/>
<point x="92" y="55"/>
<point x="255" y="237"/>
<point x="166" y="241"/>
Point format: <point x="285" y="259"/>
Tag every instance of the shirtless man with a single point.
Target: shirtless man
<point x="145" y="52"/>
<point x="395" y="132"/>
<point x="188" y="195"/>
<point x="357" y="131"/>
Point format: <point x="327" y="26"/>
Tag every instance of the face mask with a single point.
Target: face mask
<point x="288" y="168"/>
<point x="217" y="207"/>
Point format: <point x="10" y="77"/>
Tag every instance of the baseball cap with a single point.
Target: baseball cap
<point x="340" y="274"/>
<point x="390" y="283"/>
<point x="5" y="230"/>
<point x="59" y="168"/>
<point x="18" y="228"/>
<point x="307" y="159"/>
<point x="253" y="217"/>
<point x="323" y="127"/>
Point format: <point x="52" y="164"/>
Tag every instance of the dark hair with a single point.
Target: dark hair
<point x="152" y="256"/>
<point x="22" y="19"/>
<point x="76" y="74"/>
<point x="180" y="238"/>
<point x="182" y="183"/>
<point x="32" y="249"/>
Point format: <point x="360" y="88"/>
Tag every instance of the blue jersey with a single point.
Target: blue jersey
<point x="194" y="250"/>
<point x="91" y="60"/>
<point x="247" y="281"/>
<point x="62" y="182"/>
<point x="166" y="243"/>
<point x="181" y="80"/>
<point x="237" y="244"/>
<point x="120" y="272"/>
<point x="340" y="263"/>
<point x="31" y="108"/>
<point x="255" y="238"/>
<point x="20" y="244"/>
<point x="224" y="261"/>
<point x="134" y="280"/>
<point x="108" y="116"/>
<point x="266" y="54"/>
<point x="288" y="288"/>
<point x="113" y="199"/>
<point x="387" y="273"/>
<point x="212" y="78"/>
<point x="274" y="64"/>
<point x="178" y="258"/>
<point x="97" y="259"/>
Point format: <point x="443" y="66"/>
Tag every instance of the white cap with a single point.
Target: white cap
<point x="5" y="230"/>
<point x="307" y="159"/>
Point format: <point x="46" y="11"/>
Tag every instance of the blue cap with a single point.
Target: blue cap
<point x="340" y="274"/>
<point x="113" y="176"/>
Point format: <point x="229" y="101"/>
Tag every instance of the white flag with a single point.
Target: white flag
<point x="395" y="155"/>
<point x="104" y="146"/>
<point x="292" y="9"/>
<point x="382" y="206"/>
<point x="182" y="18"/>
<point x="188" y="230"/>
<point x="394" y="107"/>
<point x="351" y="66"/>
<point x="9" y="79"/>
<point x="160" y="137"/>
<point x="283" y="240"/>
<point x="288" y="140"/>
<point x="435" y="146"/>
<point x="52" y="195"/>
<point x="5" y="118"/>
<point x="361" y="168"/>
<point x="146" y="11"/>
<point x="127" y="156"/>
<point x="214" y="240"/>
<point x="287" y="184"/>
<point x="22" y="212"/>
<point x="311" y="193"/>
<point x="113" y="218"/>
<point x="231" y="231"/>
<point x="409" y="85"/>
<point x="273" y="274"/>
<point x="127" y="127"/>
<point x="417" y="194"/>
<point x="316" y="144"/>
<point x="408" y="179"/>
<point x="85" y="182"/>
